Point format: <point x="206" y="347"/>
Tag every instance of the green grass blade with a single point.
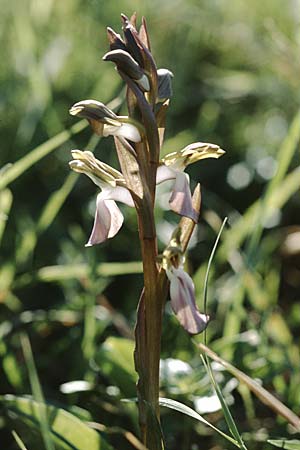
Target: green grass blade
<point x="278" y="191"/>
<point x="261" y="393"/>
<point x="234" y="236"/>
<point x="37" y="392"/>
<point x="6" y="199"/>
<point x="57" y="273"/>
<point x="180" y="407"/>
<point x="35" y="155"/>
<point x="284" y="157"/>
<point x="209" y="266"/>
<point x="23" y="164"/>
<point x="227" y="414"/>
<point x="10" y="365"/>
<point x="228" y="417"/>
<point x="55" y="203"/>
<point x="19" y="441"/>
<point x="288" y="444"/>
<point x="285" y="154"/>
<point x="68" y="432"/>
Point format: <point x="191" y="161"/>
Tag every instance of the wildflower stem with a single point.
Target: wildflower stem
<point x="149" y="326"/>
<point x="148" y="335"/>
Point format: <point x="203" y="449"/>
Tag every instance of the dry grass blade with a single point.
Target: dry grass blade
<point x="130" y="437"/>
<point x="260" y="392"/>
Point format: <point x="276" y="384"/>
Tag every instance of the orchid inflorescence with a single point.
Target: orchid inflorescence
<point x="138" y="140"/>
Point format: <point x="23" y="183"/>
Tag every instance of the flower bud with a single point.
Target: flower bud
<point x="164" y="79"/>
<point x="131" y="39"/>
<point x="91" y="109"/>
<point x="115" y="40"/>
<point x="125" y="62"/>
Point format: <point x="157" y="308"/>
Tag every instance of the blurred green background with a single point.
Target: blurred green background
<point x="236" y="83"/>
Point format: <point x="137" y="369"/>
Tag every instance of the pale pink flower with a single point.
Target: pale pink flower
<point x="108" y="217"/>
<point x="182" y="294"/>
<point x="172" y="168"/>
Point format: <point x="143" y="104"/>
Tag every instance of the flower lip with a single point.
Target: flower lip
<point x="181" y="199"/>
<point x="183" y="302"/>
<point x="182" y="290"/>
<point x="108" y="218"/>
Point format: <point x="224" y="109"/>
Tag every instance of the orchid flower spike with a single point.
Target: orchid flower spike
<point x="108" y="218"/>
<point x="182" y="290"/>
<point x="105" y="122"/>
<point x="172" y="167"/>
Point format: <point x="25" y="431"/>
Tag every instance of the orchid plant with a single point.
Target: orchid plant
<point x="138" y="140"/>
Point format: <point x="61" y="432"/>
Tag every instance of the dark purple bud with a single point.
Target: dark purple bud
<point x="125" y="62"/>
<point x="91" y="109"/>
<point x="143" y="34"/>
<point x="132" y="46"/>
<point x="115" y="40"/>
<point x="164" y="78"/>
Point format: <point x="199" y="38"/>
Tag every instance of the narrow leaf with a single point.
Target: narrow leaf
<point x="292" y="444"/>
<point x="265" y="396"/>
<point x="23" y="164"/>
<point x="115" y="359"/>
<point x="180" y="407"/>
<point x="37" y="392"/>
<point x="55" y="203"/>
<point x="226" y="411"/>
<point x="278" y="191"/>
<point x="67" y="431"/>
<point x="19" y="441"/>
<point x="6" y="199"/>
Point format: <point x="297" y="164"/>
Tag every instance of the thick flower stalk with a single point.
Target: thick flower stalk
<point x="138" y="139"/>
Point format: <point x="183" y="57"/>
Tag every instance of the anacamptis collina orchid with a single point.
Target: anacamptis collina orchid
<point x="138" y="139"/>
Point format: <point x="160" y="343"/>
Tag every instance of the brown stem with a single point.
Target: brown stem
<point x="148" y="330"/>
<point x="148" y="336"/>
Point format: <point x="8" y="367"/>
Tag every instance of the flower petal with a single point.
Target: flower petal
<point x="126" y="130"/>
<point x="120" y="194"/>
<point x="108" y="221"/>
<point x="182" y="293"/>
<point x="181" y="198"/>
<point x="165" y="173"/>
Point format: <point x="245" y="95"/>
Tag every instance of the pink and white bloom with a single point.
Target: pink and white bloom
<point x="183" y="302"/>
<point x="108" y="217"/>
<point x="182" y="289"/>
<point x="172" y="168"/>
